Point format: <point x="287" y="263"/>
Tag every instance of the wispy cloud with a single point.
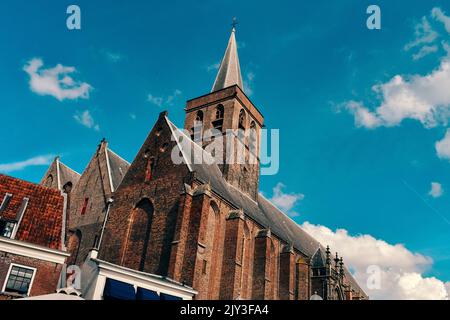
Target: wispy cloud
<point x="285" y="201"/>
<point x="113" y="57"/>
<point x="436" y="190"/>
<point x="401" y="272"/>
<point x="160" y="101"/>
<point x="213" y="67"/>
<point x="439" y="15"/>
<point x="85" y="118"/>
<point x="21" y="165"/>
<point x="249" y="80"/>
<point x="424" y="35"/>
<point x="56" y="82"/>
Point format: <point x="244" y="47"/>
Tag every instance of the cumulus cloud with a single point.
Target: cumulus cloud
<point x="56" y="82"/>
<point x="285" y="201"/>
<point x="169" y="100"/>
<point x="422" y="98"/>
<point x="443" y="146"/>
<point x="21" y="165"/>
<point x="401" y="271"/>
<point x="85" y="118"/>
<point x="436" y="190"/>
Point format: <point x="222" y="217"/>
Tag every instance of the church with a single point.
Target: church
<point x="202" y="229"/>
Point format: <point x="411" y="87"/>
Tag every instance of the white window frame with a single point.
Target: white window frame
<point x="20" y="266"/>
<point x="8" y="195"/>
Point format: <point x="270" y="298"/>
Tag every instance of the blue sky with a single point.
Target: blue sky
<point x="309" y="66"/>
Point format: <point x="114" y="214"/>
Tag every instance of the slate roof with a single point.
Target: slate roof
<point x="42" y="219"/>
<point x="118" y="168"/>
<point x="262" y="211"/>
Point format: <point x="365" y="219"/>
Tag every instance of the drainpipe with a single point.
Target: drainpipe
<point x="108" y="204"/>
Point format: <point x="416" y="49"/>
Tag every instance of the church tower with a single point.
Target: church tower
<point x="228" y="111"/>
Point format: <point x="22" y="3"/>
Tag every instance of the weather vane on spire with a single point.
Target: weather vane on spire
<point x="235" y="23"/>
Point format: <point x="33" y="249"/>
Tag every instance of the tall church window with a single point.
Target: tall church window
<point x="253" y="138"/>
<point x="138" y="235"/>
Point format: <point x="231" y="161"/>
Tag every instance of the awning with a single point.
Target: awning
<point x="117" y="290"/>
<point x="165" y="296"/>
<point x="145" y="294"/>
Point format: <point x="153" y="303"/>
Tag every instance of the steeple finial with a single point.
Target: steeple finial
<point x="229" y="73"/>
<point x="234" y="24"/>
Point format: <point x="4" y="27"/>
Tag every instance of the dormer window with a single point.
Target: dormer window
<point x="5" y="202"/>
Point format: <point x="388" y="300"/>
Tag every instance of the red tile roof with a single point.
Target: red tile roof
<point x="42" y="221"/>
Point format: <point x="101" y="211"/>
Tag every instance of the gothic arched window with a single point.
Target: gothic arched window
<point x="138" y="235"/>
<point x="242" y="119"/>
<point x="197" y="130"/>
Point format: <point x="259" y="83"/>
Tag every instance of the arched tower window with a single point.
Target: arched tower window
<point x="253" y="138"/>
<point x="218" y="121"/>
<point x="242" y="117"/>
<point x="197" y="129"/>
<point x="138" y="235"/>
<point x="220" y="112"/>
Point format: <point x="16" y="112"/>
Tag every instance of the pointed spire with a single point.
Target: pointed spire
<point x="230" y="71"/>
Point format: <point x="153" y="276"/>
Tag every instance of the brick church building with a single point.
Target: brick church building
<point x="203" y="225"/>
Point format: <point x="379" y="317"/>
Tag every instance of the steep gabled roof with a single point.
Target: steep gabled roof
<point x="38" y="211"/>
<point x="262" y="211"/>
<point x="58" y="174"/>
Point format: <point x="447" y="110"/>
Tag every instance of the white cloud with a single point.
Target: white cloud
<point x="85" y="118"/>
<point x="285" y="201"/>
<point x="402" y="271"/>
<point x="213" y="67"/>
<point x="423" y="98"/>
<point x="439" y="15"/>
<point x="424" y="51"/>
<point x="169" y="100"/>
<point x="443" y="146"/>
<point x="113" y="57"/>
<point x="17" y="166"/>
<point x="436" y="190"/>
<point x="55" y="81"/>
<point x="249" y="83"/>
<point x="424" y="34"/>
